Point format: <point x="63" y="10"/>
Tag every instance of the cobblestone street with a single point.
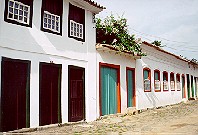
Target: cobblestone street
<point x="176" y="119"/>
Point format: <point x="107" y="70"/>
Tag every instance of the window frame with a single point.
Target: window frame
<point x="55" y="21"/>
<point x="43" y="10"/>
<point x="179" y="79"/>
<point x="72" y="20"/>
<point x="77" y="31"/>
<point x="165" y="73"/>
<point x="157" y="71"/>
<point x="172" y="74"/>
<point x="149" y="78"/>
<point x="17" y="21"/>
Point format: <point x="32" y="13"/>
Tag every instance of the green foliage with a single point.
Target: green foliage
<point x="114" y="32"/>
<point x="157" y="43"/>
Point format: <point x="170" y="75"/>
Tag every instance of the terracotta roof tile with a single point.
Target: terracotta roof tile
<point x="95" y="4"/>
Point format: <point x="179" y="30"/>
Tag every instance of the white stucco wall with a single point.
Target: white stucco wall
<point x="25" y="43"/>
<point x="123" y="62"/>
<point x="163" y="62"/>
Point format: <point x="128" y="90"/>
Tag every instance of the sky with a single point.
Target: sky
<point x="173" y="22"/>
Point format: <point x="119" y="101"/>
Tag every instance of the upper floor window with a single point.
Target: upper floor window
<point x="178" y="82"/>
<point x="172" y="81"/>
<point x="157" y="80"/>
<point x="76" y="23"/>
<point x="52" y="16"/>
<point x="19" y="12"/>
<point x="165" y="81"/>
<point x="147" y="79"/>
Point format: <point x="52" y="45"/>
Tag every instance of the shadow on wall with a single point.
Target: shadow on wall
<point x="152" y="98"/>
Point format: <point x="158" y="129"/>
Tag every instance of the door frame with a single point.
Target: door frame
<point x="59" y="88"/>
<point x="27" y="88"/>
<point x="183" y="89"/>
<point x="134" y="87"/>
<point x="117" y="67"/>
<point x="188" y="85"/>
<point x="84" y="105"/>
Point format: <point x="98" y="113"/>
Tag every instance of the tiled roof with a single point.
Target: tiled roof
<point x="176" y="56"/>
<point x="95" y="4"/>
<point x="109" y="48"/>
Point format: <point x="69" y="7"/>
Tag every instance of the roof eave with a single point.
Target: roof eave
<point x="110" y="48"/>
<point x="90" y="5"/>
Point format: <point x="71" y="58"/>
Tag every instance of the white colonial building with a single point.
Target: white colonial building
<point x="126" y="80"/>
<point x="47" y="53"/>
<point x="164" y="78"/>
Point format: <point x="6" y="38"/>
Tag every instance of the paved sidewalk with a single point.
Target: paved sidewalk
<point x="176" y="119"/>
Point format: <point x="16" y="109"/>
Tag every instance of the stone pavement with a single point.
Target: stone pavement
<point x="175" y="119"/>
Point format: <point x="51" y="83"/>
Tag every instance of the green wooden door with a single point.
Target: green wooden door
<point x="188" y="85"/>
<point x="108" y="90"/>
<point x="130" y="88"/>
<point x="183" y="86"/>
<point x="192" y="87"/>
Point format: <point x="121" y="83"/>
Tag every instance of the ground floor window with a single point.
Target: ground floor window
<point x="147" y="79"/>
<point x="172" y="81"/>
<point x="157" y="80"/>
<point x="165" y="81"/>
<point x="178" y="82"/>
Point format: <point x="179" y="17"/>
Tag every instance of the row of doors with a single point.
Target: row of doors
<point x="15" y="94"/>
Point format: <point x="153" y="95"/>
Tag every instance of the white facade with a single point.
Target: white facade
<point x="162" y="61"/>
<point x="26" y="43"/>
<point x="155" y="59"/>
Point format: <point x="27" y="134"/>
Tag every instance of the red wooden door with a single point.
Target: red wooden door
<point x="49" y="93"/>
<point x="76" y="94"/>
<point x="14" y="94"/>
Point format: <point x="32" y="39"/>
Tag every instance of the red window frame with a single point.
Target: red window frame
<point x="165" y="73"/>
<point x="149" y="77"/>
<point x="172" y="78"/>
<point x="157" y="71"/>
<point x="178" y="79"/>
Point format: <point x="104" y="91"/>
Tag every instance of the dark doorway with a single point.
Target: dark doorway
<point x="76" y="94"/>
<point x="50" y="93"/>
<point x="15" y="78"/>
